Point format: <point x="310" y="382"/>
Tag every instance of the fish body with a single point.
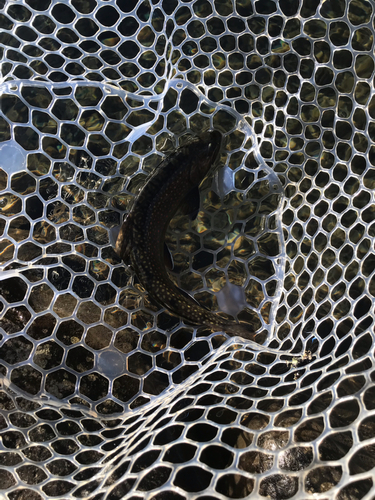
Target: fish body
<point x="140" y="242"/>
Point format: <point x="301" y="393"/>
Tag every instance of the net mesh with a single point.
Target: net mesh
<point x="106" y="395"/>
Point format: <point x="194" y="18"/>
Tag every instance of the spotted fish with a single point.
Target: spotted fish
<point x="140" y="242"/>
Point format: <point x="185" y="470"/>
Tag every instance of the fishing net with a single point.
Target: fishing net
<point x="105" y="395"/>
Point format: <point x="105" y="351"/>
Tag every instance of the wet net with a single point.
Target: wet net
<point x="105" y="395"/>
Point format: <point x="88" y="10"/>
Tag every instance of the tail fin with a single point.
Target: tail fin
<point x="245" y="332"/>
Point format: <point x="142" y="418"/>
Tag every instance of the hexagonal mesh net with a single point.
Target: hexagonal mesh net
<point x="105" y="394"/>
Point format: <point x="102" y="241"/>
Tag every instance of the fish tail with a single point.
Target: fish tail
<point x="230" y="327"/>
<point x="245" y="332"/>
<point x="240" y="330"/>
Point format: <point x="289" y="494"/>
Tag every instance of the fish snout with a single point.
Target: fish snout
<point x="213" y="139"/>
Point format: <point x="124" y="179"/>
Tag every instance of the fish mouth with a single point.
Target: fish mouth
<point x="213" y="139"/>
<point x="203" y="155"/>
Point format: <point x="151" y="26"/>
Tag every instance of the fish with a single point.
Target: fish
<point x="141" y="240"/>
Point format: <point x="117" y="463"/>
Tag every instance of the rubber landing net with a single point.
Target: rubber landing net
<point x="105" y="395"/>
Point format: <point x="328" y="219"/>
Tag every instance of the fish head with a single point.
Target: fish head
<point x="205" y="152"/>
